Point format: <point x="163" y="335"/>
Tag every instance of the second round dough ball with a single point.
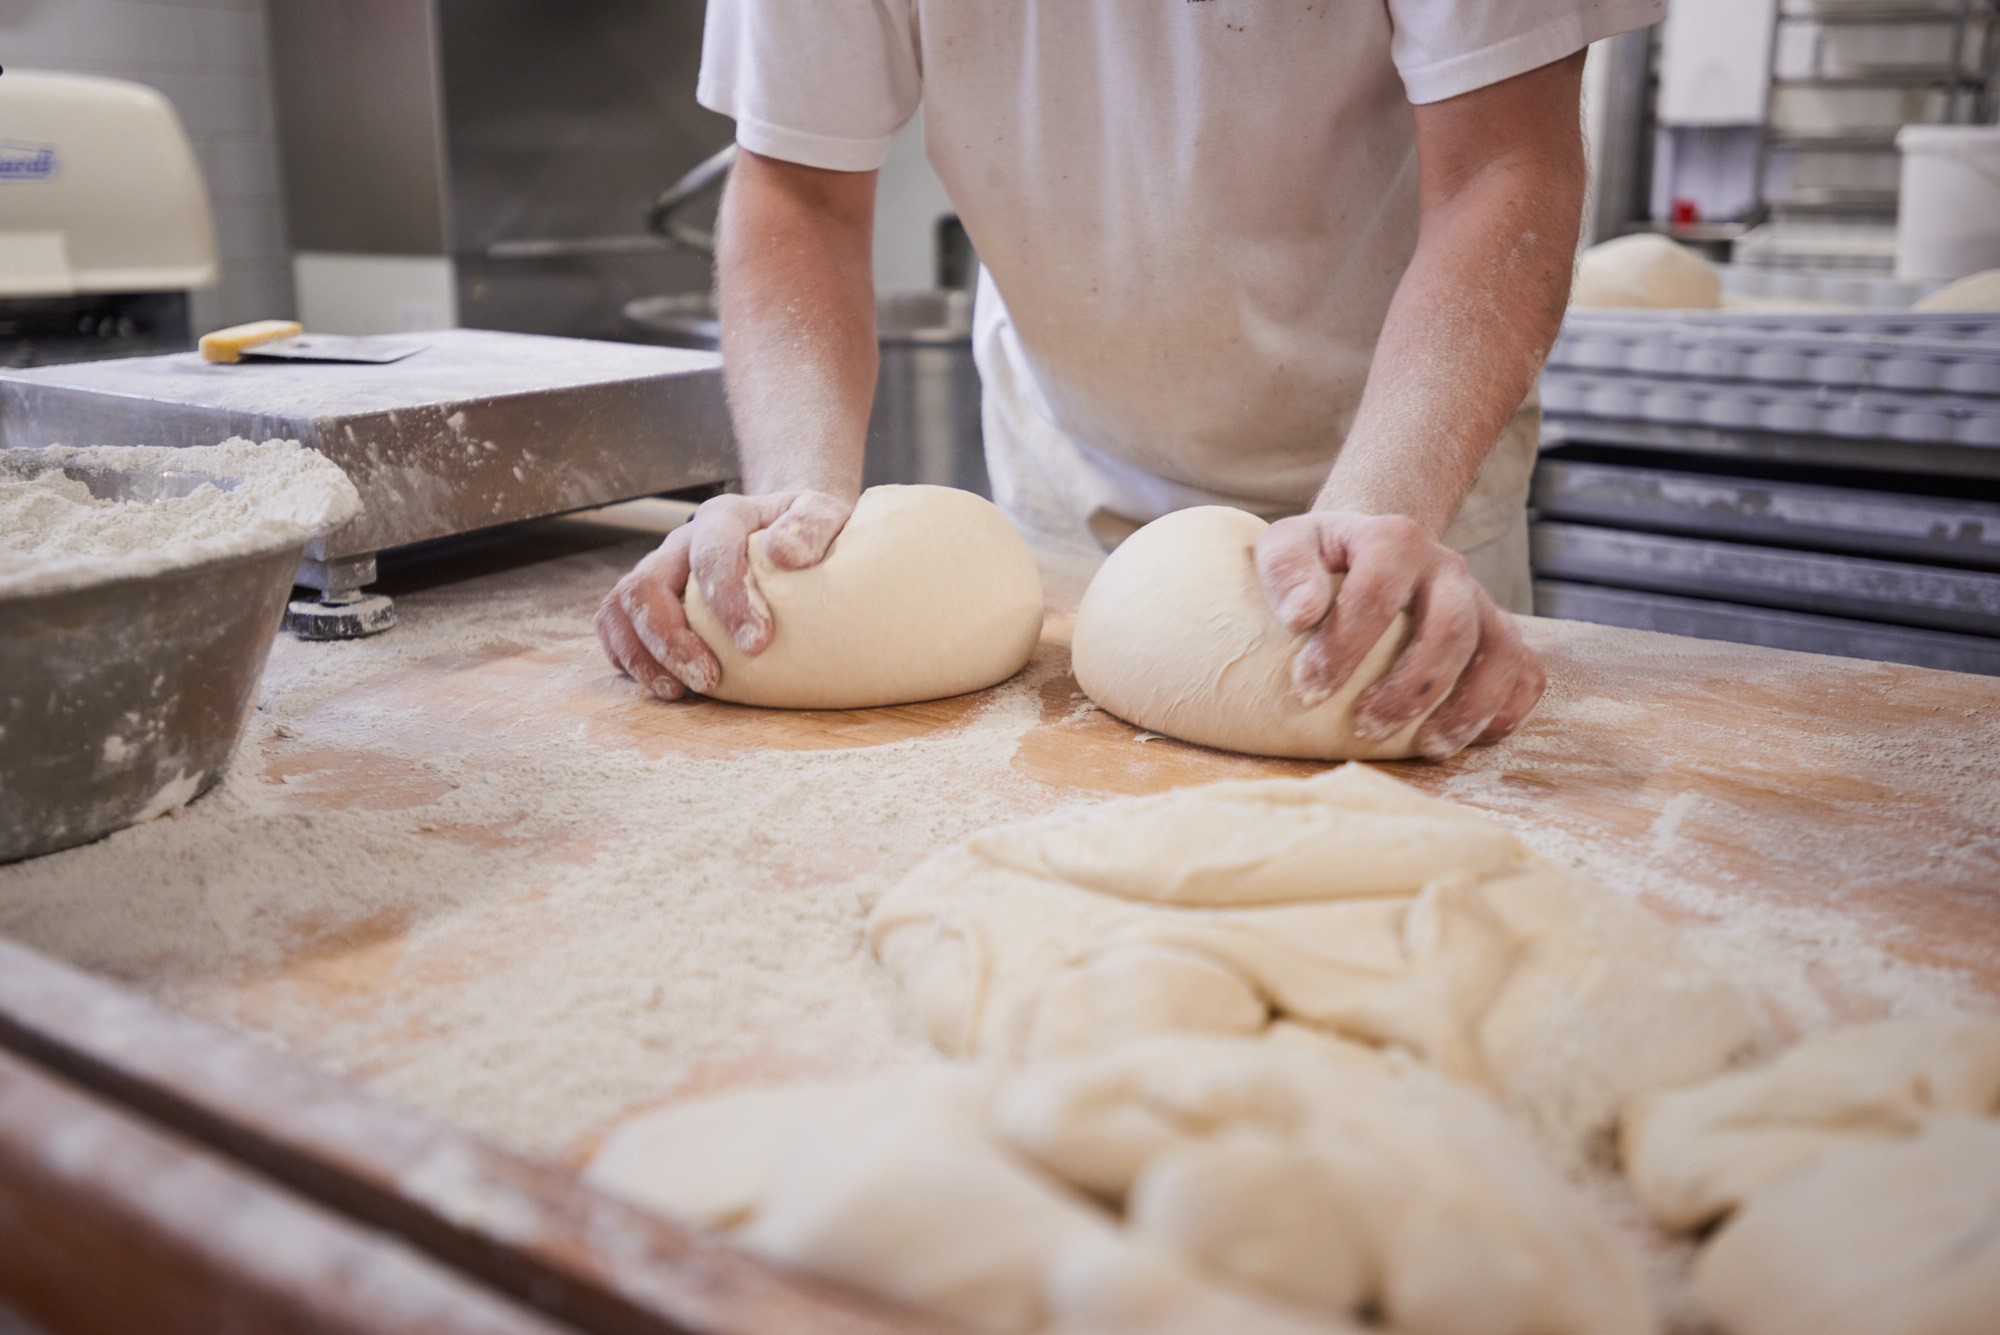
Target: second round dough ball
<point x="927" y="592"/>
<point x="1645" y="272"/>
<point x="1175" y="635"/>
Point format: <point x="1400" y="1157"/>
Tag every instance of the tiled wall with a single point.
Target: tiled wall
<point x="210" y="58"/>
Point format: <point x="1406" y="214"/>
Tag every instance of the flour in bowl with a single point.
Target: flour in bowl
<point x="159" y="508"/>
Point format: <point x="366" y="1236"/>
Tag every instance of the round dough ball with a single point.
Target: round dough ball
<point x="928" y="592"/>
<point x="1645" y="271"/>
<point x="1980" y="292"/>
<point x="1176" y="636"/>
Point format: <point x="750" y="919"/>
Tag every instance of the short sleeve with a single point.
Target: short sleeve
<point x="824" y="83"/>
<point x="1446" y="47"/>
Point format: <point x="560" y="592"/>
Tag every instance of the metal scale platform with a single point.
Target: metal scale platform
<point x="477" y="429"/>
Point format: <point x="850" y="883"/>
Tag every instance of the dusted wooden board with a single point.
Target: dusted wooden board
<point x="1860" y="799"/>
<point x="1864" y="797"/>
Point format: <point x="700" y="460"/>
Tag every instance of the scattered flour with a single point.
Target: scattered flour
<point x="176" y="508"/>
<point x="508" y="920"/>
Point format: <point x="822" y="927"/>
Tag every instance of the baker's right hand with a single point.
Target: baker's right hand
<point x="641" y="624"/>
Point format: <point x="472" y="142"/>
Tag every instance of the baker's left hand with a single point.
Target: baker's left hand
<point x="1462" y="648"/>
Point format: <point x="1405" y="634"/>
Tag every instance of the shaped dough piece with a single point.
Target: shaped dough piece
<point x="1458" y="947"/>
<point x="1694" y="1154"/>
<point x="1327" y="1179"/>
<point x="927" y="592"/>
<point x="1349" y="833"/>
<point x="1897" y="1238"/>
<point x="889" y="1184"/>
<point x="1175" y="635"/>
<point x="1139" y="1290"/>
<point x="894" y="1184"/>
<point x="1645" y="271"/>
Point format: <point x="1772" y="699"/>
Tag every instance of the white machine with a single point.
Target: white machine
<point x="104" y="221"/>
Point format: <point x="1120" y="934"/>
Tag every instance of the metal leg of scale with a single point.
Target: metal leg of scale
<point x="343" y="610"/>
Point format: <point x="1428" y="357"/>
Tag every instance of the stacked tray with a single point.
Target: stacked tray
<point x="1925" y="379"/>
<point x="1841" y="522"/>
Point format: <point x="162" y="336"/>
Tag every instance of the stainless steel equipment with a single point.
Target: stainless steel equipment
<point x="124" y="699"/>
<point x="519" y="142"/>
<point x="1805" y="632"/>
<point x="924" y="426"/>
<point x="1821" y="481"/>
<point x="478" y="429"/>
<point x="925" y="423"/>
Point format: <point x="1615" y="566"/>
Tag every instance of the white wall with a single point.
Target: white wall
<point x="211" y="59"/>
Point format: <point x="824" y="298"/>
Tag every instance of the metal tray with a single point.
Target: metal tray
<point x="1801" y="631"/>
<point x="1855" y="414"/>
<point x="1760" y="510"/>
<point x="1863" y="588"/>
<point x="1782" y="357"/>
<point x="1981" y="325"/>
<point x="1947" y="461"/>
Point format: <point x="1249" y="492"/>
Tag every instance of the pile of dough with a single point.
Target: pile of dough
<point x="1645" y="271"/>
<point x="1896" y="1238"/>
<point x="1285" y="1184"/>
<point x="1310" y="1055"/>
<point x="1331" y="1178"/>
<point x="928" y="592"/>
<point x="1348" y="903"/>
<point x="1695" y="1154"/>
<point x="1175" y="635"/>
<point x="895" y="1185"/>
<point x="1860" y="1174"/>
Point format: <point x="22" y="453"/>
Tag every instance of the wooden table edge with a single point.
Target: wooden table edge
<point x="521" y="1228"/>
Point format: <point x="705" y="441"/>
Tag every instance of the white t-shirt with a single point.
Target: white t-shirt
<point x="1196" y="211"/>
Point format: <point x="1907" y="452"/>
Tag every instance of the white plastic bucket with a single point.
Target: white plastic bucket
<point x="1948" y="220"/>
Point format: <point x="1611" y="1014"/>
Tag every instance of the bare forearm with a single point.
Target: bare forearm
<point x="798" y="321"/>
<point x="1466" y="335"/>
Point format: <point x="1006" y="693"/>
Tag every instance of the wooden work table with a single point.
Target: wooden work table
<point x="1792" y="806"/>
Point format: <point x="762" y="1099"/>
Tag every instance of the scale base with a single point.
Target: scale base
<point x="340" y="616"/>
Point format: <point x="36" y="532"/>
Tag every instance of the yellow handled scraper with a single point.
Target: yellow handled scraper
<point x="287" y="341"/>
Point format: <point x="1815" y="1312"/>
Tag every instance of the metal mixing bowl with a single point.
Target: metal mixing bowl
<point x="122" y="700"/>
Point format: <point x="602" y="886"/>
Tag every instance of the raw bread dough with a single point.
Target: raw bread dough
<point x="1896" y="1238"/>
<point x="1276" y="1186"/>
<point x="1695" y="1154"/>
<point x="927" y="592"/>
<point x="1325" y="1177"/>
<point x="1980" y="292"/>
<point x="1349" y="903"/>
<point x="1175" y="635"/>
<point x="1645" y="271"/>
<point x="895" y="1184"/>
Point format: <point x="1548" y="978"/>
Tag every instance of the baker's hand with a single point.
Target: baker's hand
<point x="1462" y="649"/>
<point x="641" y="624"/>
